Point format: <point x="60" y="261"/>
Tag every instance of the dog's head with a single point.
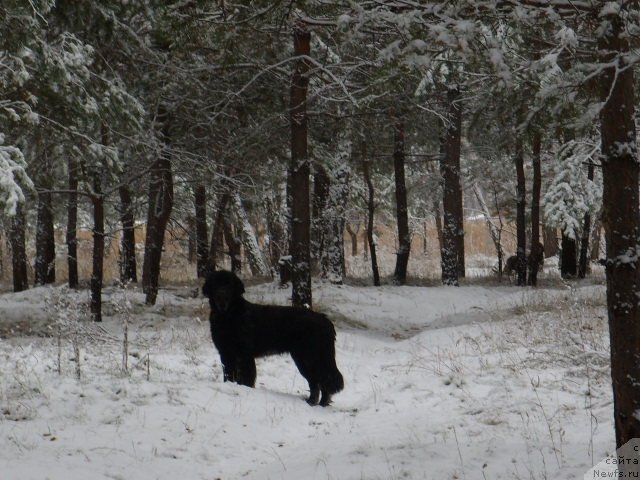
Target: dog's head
<point x="223" y="289"/>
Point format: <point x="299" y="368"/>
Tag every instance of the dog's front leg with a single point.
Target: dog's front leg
<point x="229" y="368"/>
<point x="247" y="371"/>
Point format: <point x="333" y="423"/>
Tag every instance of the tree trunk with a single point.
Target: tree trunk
<point x="159" y="211"/>
<point x="72" y="223"/>
<point x="252" y="250"/>
<point x="233" y="243"/>
<point x="97" y="272"/>
<point x="300" y="214"/>
<point x="353" y="236"/>
<point x="365" y="240"/>
<point x="128" y="267"/>
<point x="622" y="224"/>
<point x="535" y="251"/>
<point x="568" y="257"/>
<point x="332" y="260"/>
<point x="321" y="187"/>
<point x="495" y="232"/>
<point x="97" y="200"/>
<point x="583" y="265"/>
<point x="371" y="207"/>
<point x="190" y="229"/>
<point x="402" y="213"/>
<point x="596" y="233"/>
<point x="437" y="216"/>
<point x="202" y="247"/>
<point x="454" y="138"/>
<point x="277" y="233"/>
<point x="216" y="247"/>
<point x="45" y="263"/>
<point x="452" y="251"/>
<point x="17" y="240"/>
<point x="550" y="235"/>
<point x="521" y="205"/>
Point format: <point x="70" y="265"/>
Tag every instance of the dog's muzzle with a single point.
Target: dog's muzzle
<point x="221" y="301"/>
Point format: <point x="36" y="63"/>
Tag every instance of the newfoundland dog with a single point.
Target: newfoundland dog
<point x="243" y="331"/>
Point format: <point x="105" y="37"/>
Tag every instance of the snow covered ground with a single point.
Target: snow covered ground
<point x="476" y="382"/>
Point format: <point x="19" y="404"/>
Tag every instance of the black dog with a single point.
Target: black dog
<point x="243" y="331"/>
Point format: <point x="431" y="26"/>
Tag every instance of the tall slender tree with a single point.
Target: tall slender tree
<point x="71" y="236"/>
<point x="300" y="171"/>
<point x="521" y="205"/>
<point x="128" y="262"/>
<point x="452" y="226"/>
<point x="535" y="252"/>
<point x="17" y="241"/>
<point x="45" y="262"/>
<point x="402" y="209"/>
<point x="371" y="208"/>
<point x="202" y="247"/>
<point x="621" y="218"/>
<point x="583" y="261"/>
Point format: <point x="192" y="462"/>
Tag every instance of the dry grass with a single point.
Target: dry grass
<point x="424" y="266"/>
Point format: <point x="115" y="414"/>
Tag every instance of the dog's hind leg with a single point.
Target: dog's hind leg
<point x="331" y="383"/>
<point x="325" y="401"/>
<point x="306" y="371"/>
<point x="314" y="394"/>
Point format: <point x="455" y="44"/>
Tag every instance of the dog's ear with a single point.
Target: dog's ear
<point x="238" y="286"/>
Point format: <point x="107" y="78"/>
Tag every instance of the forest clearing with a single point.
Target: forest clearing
<point x="451" y="186"/>
<point x="477" y="382"/>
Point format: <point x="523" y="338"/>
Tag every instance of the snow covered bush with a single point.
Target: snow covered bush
<point x="571" y="194"/>
<point x="13" y="178"/>
<point x="67" y="312"/>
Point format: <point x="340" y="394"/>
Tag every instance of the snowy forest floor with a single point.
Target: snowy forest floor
<point x="476" y="382"/>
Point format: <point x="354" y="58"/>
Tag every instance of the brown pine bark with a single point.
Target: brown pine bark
<point x="596" y="233"/>
<point x="535" y="252"/>
<point x="234" y="244"/>
<point x="521" y="205"/>
<point x="128" y="267"/>
<point x="190" y="229"/>
<point x="568" y="257"/>
<point x="550" y="236"/>
<point x="321" y="186"/>
<point x="371" y="207"/>
<point x="300" y="170"/>
<point x="583" y="262"/>
<point x="453" y="142"/>
<point x="71" y="237"/>
<point x="159" y="211"/>
<point x="97" y="200"/>
<point x="202" y="247"/>
<point x="621" y="220"/>
<point x="216" y="246"/>
<point x="276" y="233"/>
<point x="17" y="240"/>
<point x="402" y="214"/>
<point x="452" y="249"/>
<point x="332" y="261"/>
<point x="353" y="237"/>
<point x="437" y="216"/>
<point x="97" y="272"/>
<point x="45" y="262"/>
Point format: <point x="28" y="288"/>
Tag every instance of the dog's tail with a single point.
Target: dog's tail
<point x="332" y="381"/>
